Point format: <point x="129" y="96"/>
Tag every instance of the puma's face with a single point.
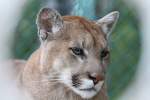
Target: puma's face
<point x="74" y="50"/>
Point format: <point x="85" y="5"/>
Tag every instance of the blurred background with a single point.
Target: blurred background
<point x="125" y="41"/>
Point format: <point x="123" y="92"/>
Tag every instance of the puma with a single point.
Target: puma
<point x="72" y="60"/>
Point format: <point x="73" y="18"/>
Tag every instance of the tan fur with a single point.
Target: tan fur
<point x="54" y="57"/>
<point x="33" y="71"/>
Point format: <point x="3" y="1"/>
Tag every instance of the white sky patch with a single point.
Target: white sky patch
<point x="140" y="87"/>
<point x="10" y="11"/>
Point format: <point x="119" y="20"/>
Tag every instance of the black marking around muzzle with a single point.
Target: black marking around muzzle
<point x="76" y="82"/>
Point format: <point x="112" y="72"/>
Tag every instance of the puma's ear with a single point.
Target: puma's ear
<point x="49" y="22"/>
<point x="107" y="23"/>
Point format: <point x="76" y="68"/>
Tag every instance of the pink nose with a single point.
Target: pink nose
<point x="96" y="78"/>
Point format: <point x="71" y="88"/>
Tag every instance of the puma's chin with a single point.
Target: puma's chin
<point x="86" y="93"/>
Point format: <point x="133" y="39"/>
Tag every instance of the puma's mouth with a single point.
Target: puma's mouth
<point x="83" y="87"/>
<point x="88" y="89"/>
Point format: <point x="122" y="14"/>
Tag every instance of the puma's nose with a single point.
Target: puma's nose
<point x="96" y="78"/>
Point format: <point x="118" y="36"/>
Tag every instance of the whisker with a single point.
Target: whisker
<point x="47" y="82"/>
<point x="53" y="83"/>
<point x="51" y="76"/>
<point x="52" y="80"/>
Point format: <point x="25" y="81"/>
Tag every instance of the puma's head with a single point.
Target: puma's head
<point x="74" y="50"/>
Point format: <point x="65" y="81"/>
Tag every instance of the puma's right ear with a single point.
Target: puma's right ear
<point x="49" y="22"/>
<point x="107" y="23"/>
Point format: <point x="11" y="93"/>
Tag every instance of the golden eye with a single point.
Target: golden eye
<point x="104" y="54"/>
<point x="77" y="51"/>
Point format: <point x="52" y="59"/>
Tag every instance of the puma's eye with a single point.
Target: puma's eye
<point x="77" y="51"/>
<point x="104" y="54"/>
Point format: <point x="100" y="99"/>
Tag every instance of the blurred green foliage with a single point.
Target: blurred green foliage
<point x="124" y="43"/>
<point x="26" y="39"/>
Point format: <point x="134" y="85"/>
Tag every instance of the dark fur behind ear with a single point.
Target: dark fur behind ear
<point x="49" y="21"/>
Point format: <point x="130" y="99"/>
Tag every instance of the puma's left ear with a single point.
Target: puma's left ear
<point x="49" y="22"/>
<point x="107" y="23"/>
